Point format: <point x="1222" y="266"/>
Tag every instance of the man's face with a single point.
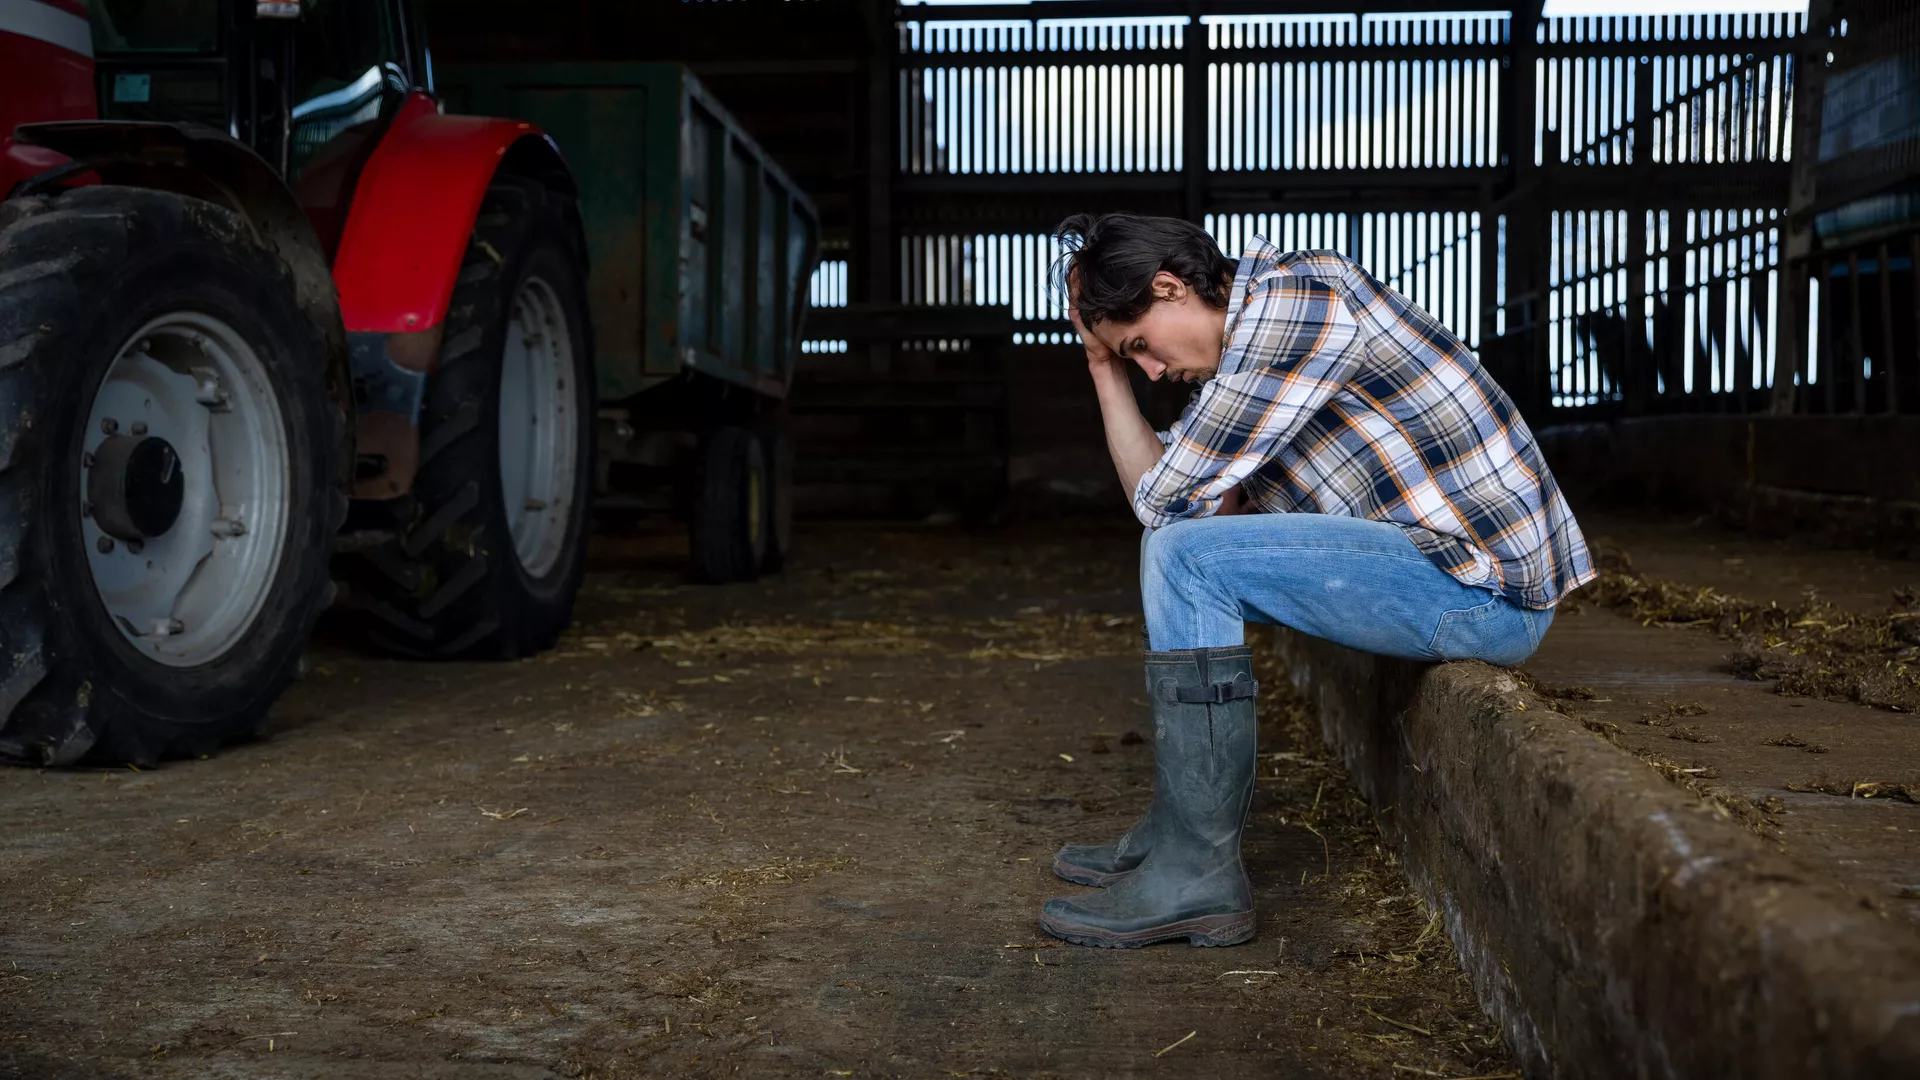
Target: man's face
<point x="1179" y="337"/>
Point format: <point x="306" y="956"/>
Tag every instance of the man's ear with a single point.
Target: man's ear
<point x="1168" y="286"/>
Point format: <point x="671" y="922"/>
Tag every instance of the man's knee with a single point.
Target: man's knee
<point x="1167" y="553"/>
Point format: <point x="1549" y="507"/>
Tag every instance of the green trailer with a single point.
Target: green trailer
<point x="702" y="251"/>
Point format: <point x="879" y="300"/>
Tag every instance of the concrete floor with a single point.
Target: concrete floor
<point x="1789" y="766"/>
<point x="799" y="828"/>
<point x="1701" y="552"/>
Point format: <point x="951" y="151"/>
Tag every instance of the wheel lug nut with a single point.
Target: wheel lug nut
<point x="108" y="425"/>
<point x="139" y="427"/>
<point x="135" y="547"/>
<point x="86" y="461"/>
<point x="209" y="393"/>
<point x="104" y="545"/>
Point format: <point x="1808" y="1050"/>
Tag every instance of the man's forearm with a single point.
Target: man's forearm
<point x="1130" y="439"/>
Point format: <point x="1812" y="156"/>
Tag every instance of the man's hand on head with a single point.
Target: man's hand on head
<point x="1100" y="359"/>
<point x="1130" y="439"/>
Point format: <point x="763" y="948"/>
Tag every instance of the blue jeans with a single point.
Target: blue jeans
<point x="1352" y="581"/>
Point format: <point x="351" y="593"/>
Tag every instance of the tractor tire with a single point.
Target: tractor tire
<point x="727" y="531"/>
<point x="486" y="565"/>
<point x="149" y="344"/>
<point x="776" y="447"/>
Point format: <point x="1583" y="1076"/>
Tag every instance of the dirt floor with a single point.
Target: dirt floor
<point x="800" y="828"/>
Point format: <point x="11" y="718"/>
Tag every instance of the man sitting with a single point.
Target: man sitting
<point x="1345" y="468"/>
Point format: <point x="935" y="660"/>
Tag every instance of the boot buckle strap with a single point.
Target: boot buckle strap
<point x="1241" y="686"/>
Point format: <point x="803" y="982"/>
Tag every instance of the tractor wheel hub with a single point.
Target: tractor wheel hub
<point x="136" y="487"/>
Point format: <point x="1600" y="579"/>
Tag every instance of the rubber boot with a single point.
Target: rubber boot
<point x="1100" y="865"/>
<point x="1191" y="882"/>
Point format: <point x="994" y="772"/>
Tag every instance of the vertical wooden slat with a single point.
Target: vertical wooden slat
<point x="1790" y="370"/>
<point x="1856" y="362"/>
<point x="1194" y="116"/>
<point x="1830" y="365"/>
<point x="1913" y="277"/>
<point x="1889" y="358"/>
<point x="1685" y="300"/>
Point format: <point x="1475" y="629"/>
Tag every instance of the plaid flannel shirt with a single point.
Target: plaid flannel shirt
<point x="1336" y="395"/>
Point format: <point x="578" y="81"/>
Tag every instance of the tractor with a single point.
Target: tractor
<point x="263" y="301"/>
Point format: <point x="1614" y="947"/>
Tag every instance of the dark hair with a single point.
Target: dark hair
<point x="1114" y="258"/>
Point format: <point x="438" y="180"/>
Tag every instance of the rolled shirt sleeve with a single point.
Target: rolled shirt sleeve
<point x="1295" y="345"/>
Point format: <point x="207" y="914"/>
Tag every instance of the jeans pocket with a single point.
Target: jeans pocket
<point x="1495" y="631"/>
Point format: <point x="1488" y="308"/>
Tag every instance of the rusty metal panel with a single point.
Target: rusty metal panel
<point x="699" y="172"/>
<point x="604" y="131"/>
<point x="768" y="210"/>
<point x="736" y="221"/>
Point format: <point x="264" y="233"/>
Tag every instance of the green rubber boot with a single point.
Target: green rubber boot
<point x="1189" y="882"/>
<point x="1100" y="865"/>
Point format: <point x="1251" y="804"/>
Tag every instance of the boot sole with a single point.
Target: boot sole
<point x="1080" y="875"/>
<point x="1205" y="931"/>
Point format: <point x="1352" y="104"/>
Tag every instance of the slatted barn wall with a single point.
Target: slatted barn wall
<point x="1385" y="136"/>
<point x="1696" y="286"/>
<point x="1026" y="98"/>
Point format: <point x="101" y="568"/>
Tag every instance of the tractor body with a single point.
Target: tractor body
<point x="261" y="274"/>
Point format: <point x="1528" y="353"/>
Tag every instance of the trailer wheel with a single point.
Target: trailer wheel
<point x="487" y="564"/>
<point x="776" y="446"/>
<point x="168" y="487"/>
<point x="727" y="530"/>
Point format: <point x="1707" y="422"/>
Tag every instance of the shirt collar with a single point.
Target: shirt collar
<point x="1260" y="258"/>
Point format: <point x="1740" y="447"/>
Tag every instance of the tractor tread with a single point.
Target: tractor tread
<point x="36" y="273"/>
<point x="474" y="635"/>
<point x="467" y="577"/>
<point x="434" y="528"/>
<point x="465" y="418"/>
<point x="448" y="584"/>
<point x="20" y="209"/>
<point x="403" y="573"/>
<point x="463" y="344"/>
<point x="23" y="671"/>
<point x="400" y="620"/>
<point x="17" y="351"/>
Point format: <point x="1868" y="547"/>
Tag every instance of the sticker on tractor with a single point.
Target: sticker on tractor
<point x="133" y="89"/>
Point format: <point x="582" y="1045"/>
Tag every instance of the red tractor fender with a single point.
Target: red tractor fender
<point x="413" y="212"/>
<point x="46" y="51"/>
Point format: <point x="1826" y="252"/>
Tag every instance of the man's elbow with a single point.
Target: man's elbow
<point x="1157" y="511"/>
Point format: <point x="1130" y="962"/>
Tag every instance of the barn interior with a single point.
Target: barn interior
<point x="801" y="825"/>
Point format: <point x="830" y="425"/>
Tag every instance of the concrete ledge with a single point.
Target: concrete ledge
<point x="1611" y="923"/>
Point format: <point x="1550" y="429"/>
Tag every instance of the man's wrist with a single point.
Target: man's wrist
<point x="1107" y="371"/>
